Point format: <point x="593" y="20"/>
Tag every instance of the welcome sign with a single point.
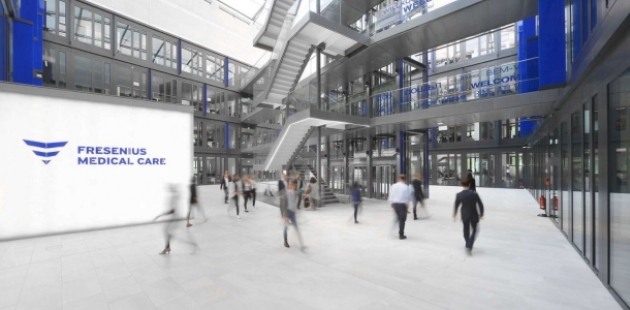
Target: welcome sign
<point x="399" y="12"/>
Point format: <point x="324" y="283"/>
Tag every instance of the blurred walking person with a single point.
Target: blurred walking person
<point x="357" y="200"/>
<point x="312" y="190"/>
<point x="252" y="181"/>
<point x="170" y="226"/>
<point x="282" y="190"/>
<point x="247" y="191"/>
<point x="472" y="183"/>
<point x="300" y="189"/>
<point x="194" y="202"/>
<point x="224" y="185"/>
<point x="470" y="215"/>
<point x="418" y="195"/>
<point x="236" y="189"/>
<point x="399" y="200"/>
<point x="288" y="213"/>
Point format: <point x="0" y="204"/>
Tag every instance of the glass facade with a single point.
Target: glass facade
<point x="619" y="161"/>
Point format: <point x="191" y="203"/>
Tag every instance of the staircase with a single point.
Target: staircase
<point x="327" y="195"/>
<point x="290" y="146"/>
<point x="268" y="36"/>
<point x="291" y="66"/>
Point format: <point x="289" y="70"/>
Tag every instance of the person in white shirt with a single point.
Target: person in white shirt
<point x="399" y="200"/>
<point x="236" y="190"/>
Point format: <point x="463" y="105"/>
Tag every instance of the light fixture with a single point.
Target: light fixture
<point x="440" y="123"/>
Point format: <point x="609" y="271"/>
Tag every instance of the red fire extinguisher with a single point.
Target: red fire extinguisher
<point x="543" y="202"/>
<point x="555" y="203"/>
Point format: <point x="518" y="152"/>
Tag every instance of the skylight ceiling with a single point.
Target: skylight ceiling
<point x="248" y="8"/>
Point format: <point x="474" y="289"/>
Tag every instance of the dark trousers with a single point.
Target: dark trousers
<point x="235" y="198"/>
<point x="415" y="204"/>
<point x="253" y="197"/>
<point x="401" y="212"/>
<point x="470" y="238"/>
<point x="299" y="200"/>
<point x="225" y="190"/>
<point x="291" y="221"/>
<point x="356" y="209"/>
<point x="246" y="196"/>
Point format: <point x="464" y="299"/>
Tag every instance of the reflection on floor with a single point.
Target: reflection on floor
<point x="520" y="261"/>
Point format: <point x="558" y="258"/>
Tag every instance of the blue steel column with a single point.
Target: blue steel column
<point x="179" y="56"/>
<point x="227" y="136"/>
<point x="552" y="49"/>
<point x="28" y="48"/>
<point x="205" y="99"/>
<point x="528" y="66"/>
<point x="226" y="73"/>
<point x="402" y="154"/>
<point x="149" y="84"/>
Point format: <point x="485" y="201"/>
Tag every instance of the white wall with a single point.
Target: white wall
<point x="38" y="198"/>
<point x="196" y="21"/>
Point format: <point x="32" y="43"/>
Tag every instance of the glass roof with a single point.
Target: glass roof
<point x="248" y="8"/>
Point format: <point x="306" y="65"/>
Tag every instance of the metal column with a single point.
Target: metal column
<point x="319" y="162"/>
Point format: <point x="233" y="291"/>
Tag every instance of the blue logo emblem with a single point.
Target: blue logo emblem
<point x="46" y="147"/>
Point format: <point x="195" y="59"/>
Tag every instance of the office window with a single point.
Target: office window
<point x="82" y="73"/>
<point x="62" y="18"/>
<point x="62" y="69"/>
<point x="192" y="61"/>
<point x="83" y="25"/>
<point x="131" y="41"/>
<point x="124" y="39"/>
<point x="508" y="37"/>
<point x="97" y="71"/>
<point x="215" y="68"/>
<point x="50" y="65"/>
<point x="55" y="19"/>
<point x="164" y="52"/>
<point x="51" y="16"/>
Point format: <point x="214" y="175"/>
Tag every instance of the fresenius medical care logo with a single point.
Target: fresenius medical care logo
<point x="43" y="149"/>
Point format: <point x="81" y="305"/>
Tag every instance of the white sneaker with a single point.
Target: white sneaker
<point x="238" y="216"/>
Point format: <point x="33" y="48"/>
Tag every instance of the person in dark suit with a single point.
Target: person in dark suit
<point x="471" y="181"/>
<point x="194" y="202"/>
<point x="470" y="215"/>
<point x="282" y="190"/>
<point x="418" y="194"/>
<point x="300" y="189"/>
<point x="224" y="184"/>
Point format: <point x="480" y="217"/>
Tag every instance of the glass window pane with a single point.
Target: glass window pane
<point x="82" y="73"/>
<point x="124" y="39"/>
<point x="98" y="30"/>
<point x="186" y="60"/>
<point x="97" y="73"/>
<point x="107" y="37"/>
<point x="157" y="45"/>
<point x="51" y="16"/>
<point x="62" y="18"/>
<point x="578" y="206"/>
<point x="618" y="163"/>
<point x="82" y="25"/>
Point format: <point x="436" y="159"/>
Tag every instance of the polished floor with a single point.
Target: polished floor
<point x="520" y="261"/>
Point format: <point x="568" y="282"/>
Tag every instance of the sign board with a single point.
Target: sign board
<point x="399" y="12"/>
<point x="69" y="165"/>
